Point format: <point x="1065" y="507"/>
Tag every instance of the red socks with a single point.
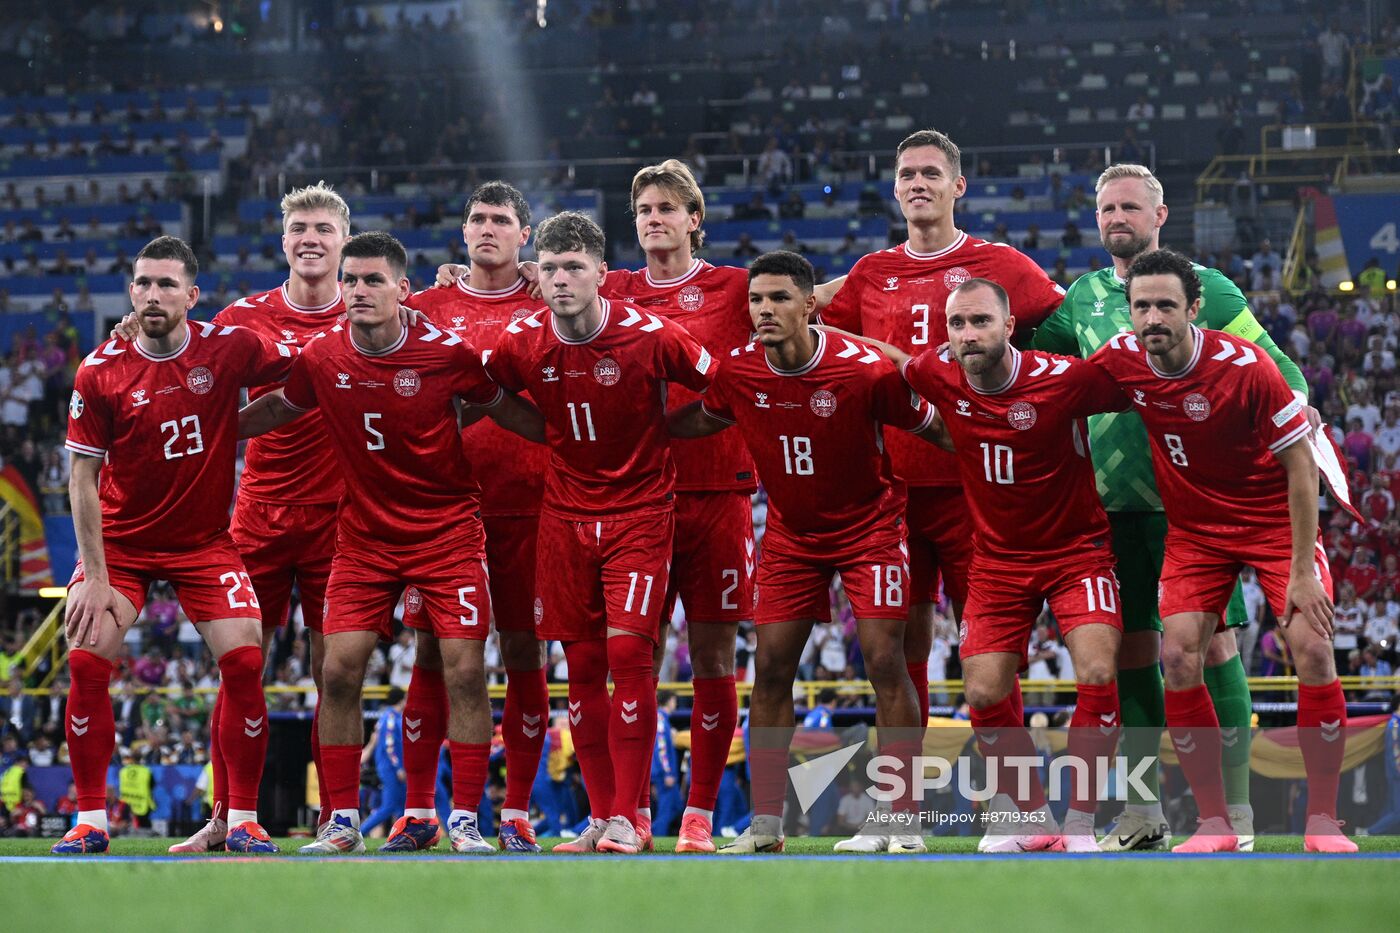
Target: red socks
<point x="1018" y="705"/>
<point x="243" y="729"/>
<point x="468" y="773"/>
<point x="767" y="776"/>
<point x="91" y="727"/>
<point x="1002" y="736"/>
<point x="632" y="725"/>
<point x="712" y="722"/>
<point x="918" y="672"/>
<point x="588" y="720"/>
<point x="1322" y="726"/>
<point x="342" y="767"/>
<point x="424" y="728"/>
<point x="1093" y="735"/>
<point x="523" y="727"/>
<point x="1195" y="733"/>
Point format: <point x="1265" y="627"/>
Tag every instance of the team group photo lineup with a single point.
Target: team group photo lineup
<point x="550" y="453"/>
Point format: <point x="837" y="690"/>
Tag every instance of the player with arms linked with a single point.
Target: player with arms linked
<point x="1239" y="483"/>
<point x="153" y="427"/>
<point x="810" y="407"/>
<point x="599" y="372"/>
<point x="387" y="394"/>
<point x="1016" y="420"/>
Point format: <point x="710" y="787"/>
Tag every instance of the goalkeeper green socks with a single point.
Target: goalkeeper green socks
<point x="1142" y="698"/>
<point x="1229" y="691"/>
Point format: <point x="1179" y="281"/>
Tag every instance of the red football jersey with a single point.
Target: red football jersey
<point x="1023" y="450"/>
<point x="898" y="295"/>
<point x="604" y="403"/>
<point x="1215" y="427"/>
<point x="295" y="463"/>
<point x="168" y="427"/>
<point x="815" y="434"/>
<point x="712" y="302"/>
<point x="391" y="419"/>
<point x="510" y="469"/>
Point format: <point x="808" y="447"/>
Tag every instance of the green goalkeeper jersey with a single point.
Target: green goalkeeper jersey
<point x="1096" y="308"/>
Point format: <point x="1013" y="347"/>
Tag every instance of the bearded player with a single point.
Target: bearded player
<point x="387" y="393"/>
<point x="1239" y="484"/>
<point x="152" y="426"/>
<point x="490" y="296"/>
<point x="1016" y="421"/>
<point x="897" y="296"/>
<point x="1130" y="215"/>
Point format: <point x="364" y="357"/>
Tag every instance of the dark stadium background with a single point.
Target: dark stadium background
<point x="118" y="122"/>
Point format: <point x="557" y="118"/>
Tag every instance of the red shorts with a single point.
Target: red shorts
<point x="713" y="560"/>
<point x="510" y="553"/>
<point x="445" y="588"/>
<point x="1004" y="598"/>
<point x="1198" y="574"/>
<point x="596" y="575"/>
<point x="794" y="579"/>
<point x="282" y="543"/>
<point x="210" y="582"/>
<point x="940" y="542"/>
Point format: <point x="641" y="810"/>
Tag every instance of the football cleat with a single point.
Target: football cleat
<point x="587" y="841"/>
<point x="1242" y="819"/>
<point x="751" y="843"/>
<point x="1212" y="835"/>
<point x="1079" y="842"/>
<point x="1133" y="832"/>
<point x="517" y="836"/>
<point x="1020" y="842"/>
<point x="466" y="839"/>
<point x="336" y="837"/>
<point x="906" y="845"/>
<point x="620" y="837"/>
<point x="643" y="828"/>
<point x="209" y="838"/>
<point x="413" y="834"/>
<point x="863" y="842"/>
<point x="696" y="834"/>
<point x="82" y="839"/>
<point x="250" y="839"/>
<point x="1324" y="834"/>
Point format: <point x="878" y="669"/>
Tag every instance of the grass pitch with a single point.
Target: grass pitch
<point x="808" y="888"/>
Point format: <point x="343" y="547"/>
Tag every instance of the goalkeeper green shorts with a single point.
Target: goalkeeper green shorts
<point x="1139" y="543"/>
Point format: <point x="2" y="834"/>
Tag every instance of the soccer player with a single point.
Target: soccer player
<point x="1016" y="423"/>
<point x="1130" y="215"/>
<point x="897" y="296"/>
<point x="154" y="420"/>
<point x="809" y="407"/>
<point x="479" y="306"/>
<point x="386" y="393"/>
<point x="599" y="371"/>
<point x="1239" y="485"/>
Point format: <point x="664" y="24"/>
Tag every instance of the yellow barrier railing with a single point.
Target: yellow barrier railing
<point x="47" y="643"/>
<point x="9" y="545"/>
<point x="807" y="689"/>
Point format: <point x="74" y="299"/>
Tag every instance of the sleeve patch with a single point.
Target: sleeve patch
<point x="1284" y="414"/>
<point x="702" y="365"/>
<point x="76" y="405"/>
